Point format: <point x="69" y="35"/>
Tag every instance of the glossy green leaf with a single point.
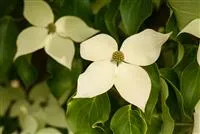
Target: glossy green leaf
<point x="6" y="7"/>
<point x="185" y="11"/>
<point x="155" y="90"/>
<point x="26" y="71"/>
<point x="190" y="53"/>
<point x="100" y="20"/>
<point x="156" y="123"/>
<point x="172" y="26"/>
<point x="157" y="3"/>
<point x="98" y="4"/>
<point x="168" y="122"/>
<point x="128" y="121"/>
<point x="88" y="115"/>
<point x="133" y="14"/>
<point x="180" y="54"/>
<point x="112" y="18"/>
<point x="7" y="95"/>
<point x="80" y="8"/>
<point x="175" y="98"/>
<point x="190" y="86"/>
<point x="172" y="54"/>
<point x="63" y="81"/>
<point x="8" y="32"/>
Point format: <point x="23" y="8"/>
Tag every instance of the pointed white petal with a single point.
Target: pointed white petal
<point x="74" y="28"/>
<point x="198" y="55"/>
<point x="48" y="131"/>
<point x="30" y="40"/>
<point x="192" y="28"/>
<point x="196" y="129"/>
<point x="1" y="129"/>
<point x="99" y="47"/>
<point x="52" y="109"/>
<point x="28" y="124"/>
<point x="38" y="12"/>
<point x="60" y="49"/>
<point x="143" y="48"/>
<point x="133" y="84"/>
<point x="96" y="80"/>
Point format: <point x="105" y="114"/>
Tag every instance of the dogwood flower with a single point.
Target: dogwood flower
<point x="196" y="129"/>
<point x="120" y="67"/>
<point x="193" y="28"/>
<point x="56" y="38"/>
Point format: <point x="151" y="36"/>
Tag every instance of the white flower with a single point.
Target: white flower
<point x="120" y="68"/>
<point x="56" y="37"/>
<point x="193" y="28"/>
<point x="196" y="129"/>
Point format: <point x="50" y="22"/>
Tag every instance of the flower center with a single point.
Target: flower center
<point x="51" y="28"/>
<point x="118" y="57"/>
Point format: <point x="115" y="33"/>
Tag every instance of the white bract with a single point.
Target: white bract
<point x="39" y="113"/>
<point x="196" y="129"/>
<point x="120" y="68"/>
<point x="193" y="28"/>
<point x="56" y="37"/>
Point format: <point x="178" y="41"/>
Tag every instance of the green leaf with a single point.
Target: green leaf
<point x="111" y="18"/>
<point x="168" y="122"/>
<point x="180" y="54"/>
<point x="5" y="101"/>
<point x="185" y="11"/>
<point x="7" y="6"/>
<point x="128" y="121"/>
<point x="190" y="53"/>
<point x="80" y="8"/>
<point x="156" y="123"/>
<point x="155" y="90"/>
<point x="133" y="14"/>
<point x="63" y="81"/>
<point x="98" y="4"/>
<point x="176" y="101"/>
<point x="7" y="95"/>
<point x="172" y="54"/>
<point x="100" y="20"/>
<point x="26" y="71"/>
<point x="8" y="32"/>
<point x="88" y="115"/>
<point x="172" y="26"/>
<point x="190" y="86"/>
<point x="157" y="3"/>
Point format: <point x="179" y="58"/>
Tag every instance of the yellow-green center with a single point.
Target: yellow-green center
<point x="118" y="57"/>
<point x="51" y="28"/>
